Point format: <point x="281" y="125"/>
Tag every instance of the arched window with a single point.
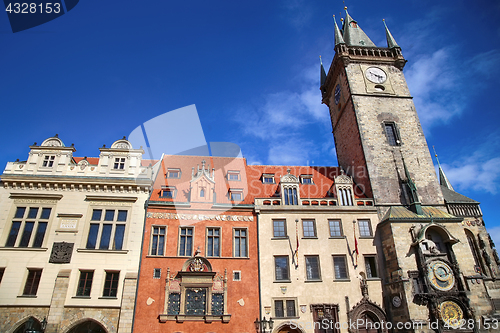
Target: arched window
<point x="290" y="196"/>
<point x="202" y="193"/>
<point x="478" y="268"/>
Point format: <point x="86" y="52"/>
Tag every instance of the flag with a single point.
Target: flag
<point x="297" y="247"/>
<point x="356" y="251"/>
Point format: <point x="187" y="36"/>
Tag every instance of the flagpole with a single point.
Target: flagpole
<point x="356" y="251"/>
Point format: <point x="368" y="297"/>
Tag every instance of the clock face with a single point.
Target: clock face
<point x="337" y="94"/>
<point x="451" y="313"/>
<point x="441" y="276"/>
<point x="396" y="301"/>
<point x="375" y="75"/>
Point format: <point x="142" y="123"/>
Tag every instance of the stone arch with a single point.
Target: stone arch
<point x="79" y="321"/>
<point x="122" y="144"/>
<point x="368" y="309"/>
<point x="20" y="323"/>
<point x="52" y="142"/>
<point x="286" y="327"/>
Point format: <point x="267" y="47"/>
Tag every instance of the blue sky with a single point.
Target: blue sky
<point x="252" y="69"/>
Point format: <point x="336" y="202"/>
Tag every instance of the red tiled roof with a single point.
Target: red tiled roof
<point x="91" y="160"/>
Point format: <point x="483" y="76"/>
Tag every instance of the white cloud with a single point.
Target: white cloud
<point x="478" y="175"/>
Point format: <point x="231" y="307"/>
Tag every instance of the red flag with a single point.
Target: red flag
<point x="297" y="248"/>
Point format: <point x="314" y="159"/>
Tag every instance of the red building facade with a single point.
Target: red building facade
<point x="199" y="265"/>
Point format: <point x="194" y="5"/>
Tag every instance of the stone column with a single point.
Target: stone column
<point x="128" y="303"/>
<point x="56" y="310"/>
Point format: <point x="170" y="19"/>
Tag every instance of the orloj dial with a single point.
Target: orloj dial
<point x="396" y="301"/>
<point x="451" y="313"/>
<point x="375" y="75"/>
<point x="440" y="275"/>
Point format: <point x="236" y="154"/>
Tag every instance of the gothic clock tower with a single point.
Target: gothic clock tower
<point x="376" y="128"/>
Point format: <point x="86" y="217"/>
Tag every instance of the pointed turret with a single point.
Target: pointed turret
<point x="338" y="36"/>
<point x="391" y="42"/>
<point x="443" y="180"/>
<point x="353" y="35"/>
<point x="322" y="74"/>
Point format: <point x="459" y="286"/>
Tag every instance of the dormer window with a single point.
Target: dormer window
<point x="119" y="163"/>
<point x="344" y="189"/>
<point x="174" y="173"/>
<point x="236" y="194"/>
<point x="306" y="179"/>
<point x="290" y="195"/>
<point x="345" y="196"/>
<point x="233" y="175"/>
<point x="48" y="161"/>
<point x="268" y="179"/>
<point x="168" y="192"/>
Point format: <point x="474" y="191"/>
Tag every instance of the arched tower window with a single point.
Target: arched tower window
<point x="478" y="268"/>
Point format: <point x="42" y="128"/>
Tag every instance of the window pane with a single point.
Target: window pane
<point x="110" y="215"/>
<point x="45" y="213"/>
<point x="33" y="213"/>
<point x="96" y="214"/>
<point x="32" y="282"/>
<point x="25" y="238"/>
<point x="111" y="284"/>
<point x="189" y="245"/>
<point x="312" y="268"/>
<point x="371" y="268"/>
<point x="85" y="283"/>
<point x="210" y="245"/>
<point x="92" y="240"/>
<point x="196" y="301"/>
<point x="279" y="229"/>
<point x="308" y="228"/>
<point x="281" y="267"/>
<point x="122" y="216"/>
<point x="364" y="229"/>
<point x="119" y="232"/>
<point x="14" y="230"/>
<point x="290" y="308"/>
<point x="40" y="234"/>
<point x="391" y="134"/>
<point x="216" y="247"/>
<point x="105" y="236"/>
<point x="20" y="212"/>
<point x="278" y="309"/>
<point x="243" y="251"/>
<point x="182" y="246"/>
<point x="339" y="264"/>
<point x="335" y="229"/>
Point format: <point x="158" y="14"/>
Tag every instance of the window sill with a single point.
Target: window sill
<point x="282" y="281"/>
<point x="81" y="297"/>
<point x="278" y="238"/>
<point x="206" y="318"/>
<point x="315" y="237"/>
<point x="285" y="318"/>
<point x="312" y="281"/>
<point x="341" y="280"/>
<point x="374" y="279"/>
<point x="102" y="251"/>
<point x="27" y="296"/>
<point x="108" y="297"/>
<point x="366" y="237"/>
<point x="40" y="249"/>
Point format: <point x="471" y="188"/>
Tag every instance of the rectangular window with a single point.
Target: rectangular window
<point x="111" y="284"/>
<point x="236" y="195"/>
<point x="33" y="226"/>
<point x="158" y="241"/>
<point x="309" y="228"/>
<point x="169" y="192"/>
<point x="279" y="228"/>
<point x="107" y="230"/>
<point x="85" y="283"/>
<point x="174" y="173"/>
<point x="119" y="163"/>
<point x="213" y="242"/>
<point x="335" y="228"/>
<point x="233" y="175"/>
<point x="268" y="178"/>
<point x="371" y="267"/>
<point x="236" y="275"/>
<point x="312" y="268"/>
<point x="281" y="268"/>
<point x="365" y="229"/>
<point x="240" y="243"/>
<point x="284" y="308"/>
<point x="340" y="267"/>
<point x="306" y="179"/>
<point x="186" y="242"/>
<point x="48" y="161"/>
<point x="157" y="273"/>
<point x="32" y="282"/>
<point x="392" y="134"/>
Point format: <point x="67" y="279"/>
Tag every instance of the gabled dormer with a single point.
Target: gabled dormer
<point x="203" y="184"/>
<point x="51" y="157"/>
<point x="289" y="189"/>
<point x="343" y="189"/>
<point x="121" y="159"/>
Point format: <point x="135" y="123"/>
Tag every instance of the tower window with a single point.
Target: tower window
<point x="392" y="134"/>
<point x="290" y="196"/>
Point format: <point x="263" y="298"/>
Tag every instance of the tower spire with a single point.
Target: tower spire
<point x="338" y="36"/>
<point x="322" y="74"/>
<point x="443" y="180"/>
<point x="353" y="35"/>
<point x="391" y="42"/>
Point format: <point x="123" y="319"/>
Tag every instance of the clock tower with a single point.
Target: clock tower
<point x="377" y="132"/>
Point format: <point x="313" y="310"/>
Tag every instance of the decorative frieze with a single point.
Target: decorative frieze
<point x="199" y="217"/>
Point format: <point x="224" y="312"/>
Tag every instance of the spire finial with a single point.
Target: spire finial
<point x="391" y="42"/>
<point x="443" y="180"/>
<point x="321" y="62"/>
